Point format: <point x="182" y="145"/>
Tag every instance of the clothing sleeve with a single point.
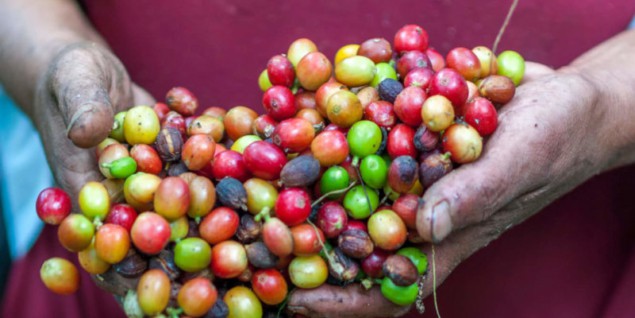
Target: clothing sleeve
<point x="24" y="172"/>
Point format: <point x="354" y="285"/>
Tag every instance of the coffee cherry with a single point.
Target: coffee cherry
<point x="270" y="286"/>
<point x="280" y="71"/>
<point x="299" y="49"/>
<point x="346" y="51"/>
<point x="53" y="205"/>
<point x="313" y="70"/>
<point x="355" y="71"/>
<point x="481" y="114"/>
<point x="153" y="292"/>
<point x="376" y="49"/>
<point x="389" y="89"/>
<point x="436" y="59"/>
<point x="181" y="100"/>
<point x="463" y="142"/>
<point x="498" y="89"/>
<point x="112" y="243"/>
<point x="150" y="233"/>
<point x="293" y="206"/>
<point x="487" y="59"/>
<point x="308" y="271"/>
<point x="344" y="108"/>
<point x="279" y="102"/>
<point x="197" y="296"/>
<point x="512" y="65"/>
<point x="450" y="84"/>
<point x="238" y="122"/>
<point x="60" y="276"/>
<point x="229" y="259"/>
<point x="465" y="62"/>
<point x="412" y="60"/>
<point x="75" y="232"/>
<point x="141" y="125"/>
<point x="411" y="38"/>
<point x="408" y="105"/>
<point x="437" y="113"/>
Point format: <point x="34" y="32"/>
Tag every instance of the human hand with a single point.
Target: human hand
<point x="542" y="149"/>
<point x="351" y="301"/>
<point x="75" y="101"/>
<point x="558" y="132"/>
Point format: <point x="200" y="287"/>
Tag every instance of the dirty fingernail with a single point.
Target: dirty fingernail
<point x="441" y="223"/>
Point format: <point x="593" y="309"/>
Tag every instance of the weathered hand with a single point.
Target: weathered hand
<point x="542" y="149"/>
<point x="84" y="86"/>
<point x="351" y="301"/>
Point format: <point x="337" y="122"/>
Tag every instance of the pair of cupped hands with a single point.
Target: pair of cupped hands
<point x="538" y="153"/>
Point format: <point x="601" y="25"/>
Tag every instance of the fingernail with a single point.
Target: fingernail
<point x="440" y="221"/>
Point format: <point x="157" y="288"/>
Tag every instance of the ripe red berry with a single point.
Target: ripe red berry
<point x="53" y="205"/>
<point x="411" y="38"/>
<point x="452" y="85"/>
<point x="481" y="114"/>
<point x="280" y="71"/>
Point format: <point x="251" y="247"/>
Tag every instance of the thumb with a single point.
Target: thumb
<point x="514" y="162"/>
<point x="534" y="71"/>
<point x="467" y="195"/>
<point x="348" y="301"/>
<point x="86" y="83"/>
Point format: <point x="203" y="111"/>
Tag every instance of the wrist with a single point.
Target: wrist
<point x="611" y="111"/>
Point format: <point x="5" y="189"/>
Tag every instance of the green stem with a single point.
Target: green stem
<point x="386" y="195"/>
<point x="97" y="222"/>
<point x="265" y="214"/>
<point x="327" y="254"/>
<point x="367" y="283"/>
<point x="326" y="195"/>
<point x="174" y="312"/>
<point x="355" y="161"/>
<point x="282" y="305"/>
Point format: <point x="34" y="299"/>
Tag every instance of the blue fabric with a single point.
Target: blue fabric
<point x="632" y="25"/>
<point x="24" y="172"/>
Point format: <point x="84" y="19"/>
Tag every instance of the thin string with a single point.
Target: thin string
<point x="434" y="283"/>
<point x="502" y="29"/>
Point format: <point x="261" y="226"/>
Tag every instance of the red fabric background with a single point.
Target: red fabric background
<point x="574" y="259"/>
<point x="218" y="48"/>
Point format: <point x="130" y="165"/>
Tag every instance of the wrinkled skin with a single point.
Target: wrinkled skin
<point x="461" y="244"/>
<point x="83" y="88"/>
<point x="562" y="128"/>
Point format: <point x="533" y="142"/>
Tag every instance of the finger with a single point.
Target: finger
<point x="459" y="246"/>
<point x="141" y="96"/>
<point x="516" y="159"/>
<point x="465" y="196"/>
<point x="86" y="84"/>
<point x="534" y="71"/>
<point x="349" y="301"/>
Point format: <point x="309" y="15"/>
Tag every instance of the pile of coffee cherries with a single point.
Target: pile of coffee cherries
<point x="222" y="214"/>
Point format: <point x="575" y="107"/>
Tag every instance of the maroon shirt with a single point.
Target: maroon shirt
<point x="573" y="259"/>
